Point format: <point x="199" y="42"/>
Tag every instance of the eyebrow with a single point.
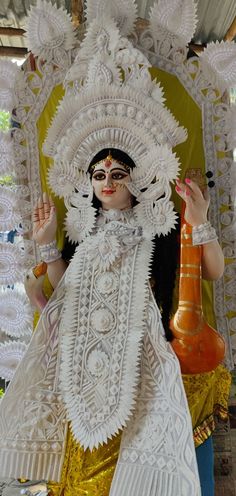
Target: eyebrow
<point x="115" y="168"/>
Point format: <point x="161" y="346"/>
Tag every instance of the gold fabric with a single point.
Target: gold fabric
<point x="87" y="473"/>
<point x="207" y="396"/>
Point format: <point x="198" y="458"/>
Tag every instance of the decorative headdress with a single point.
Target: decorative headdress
<point x="112" y="102"/>
<point x="108" y="162"/>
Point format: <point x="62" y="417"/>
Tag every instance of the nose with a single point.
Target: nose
<point x="108" y="179"/>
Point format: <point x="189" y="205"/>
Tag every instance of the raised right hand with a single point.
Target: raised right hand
<point x="44" y="221"/>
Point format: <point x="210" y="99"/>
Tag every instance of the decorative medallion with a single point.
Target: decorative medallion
<point x="12" y="263"/>
<point x="16" y="313"/>
<point x="9" y="210"/>
<point x="49" y="29"/>
<point x="173" y="20"/>
<point x="98" y="363"/>
<point x="218" y="62"/>
<point x="102" y="320"/>
<point x="11" y="353"/>
<point x="106" y="283"/>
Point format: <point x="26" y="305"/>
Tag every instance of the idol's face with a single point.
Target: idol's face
<point x="109" y="181"/>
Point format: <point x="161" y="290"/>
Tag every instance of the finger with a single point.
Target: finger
<point x="183" y="190"/>
<point x="206" y="195"/>
<point x="40" y="210"/>
<point x="52" y="212"/>
<point x="193" y="186"/>
<point x="184" y="194"/>
<point x="46" y="206"/>
<point x="51" y="202"/>
<point x="35" y="220"/>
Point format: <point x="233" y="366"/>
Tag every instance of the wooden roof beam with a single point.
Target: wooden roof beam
<point x="9" y="51"/>
<point x="11" y="31"/>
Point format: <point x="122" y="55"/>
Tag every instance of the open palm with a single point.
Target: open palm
<point x="44" y="221"/>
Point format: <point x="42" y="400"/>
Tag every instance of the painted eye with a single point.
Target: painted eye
<point x="99" y="176"/>
<point x="118" y="175"/>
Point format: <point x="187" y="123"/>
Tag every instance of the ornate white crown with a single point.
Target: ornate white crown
<point x="112" y="102"/>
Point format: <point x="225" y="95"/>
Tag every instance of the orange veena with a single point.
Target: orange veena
<point x="197" y="345"/>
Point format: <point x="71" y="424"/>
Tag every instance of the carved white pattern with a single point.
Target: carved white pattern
<point x="173" y="21"/>
<point x="98" y="363"/>
<point x="102" y="320"/>
<point x="80" y="220"/>
<point x="63" y="179"/>
<point x="49" y="31"/>
<point x="12" y="208"/>
<point x="13" y="263"/>
<point x="26" y="435"/>
<point x="225" y="126"/>
<point x="38" y="426"/>
<point x="6" y="153"/>
<point x="107" y="325"/>
<point x="123" y="12"/>
<point x="157" y="217"/>
<point x="219" y="64"/>
<point x="16" y="313"/>
<point x="8" y="74"/>
<point x="107" y="283"/>
<point x="156" y="440"/>
<point x="25" y="140"/>
<point x="9" y="214"/>
<point x="11" y="354"/>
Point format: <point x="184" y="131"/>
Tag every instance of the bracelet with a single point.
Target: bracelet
<point x="202" y="234"/>
<point x="50" y="253"/>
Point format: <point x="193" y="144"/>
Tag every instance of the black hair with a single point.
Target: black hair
<point x="164" y="264"/>
<point x="116" y="154"/>
<point x="165" y="254"/>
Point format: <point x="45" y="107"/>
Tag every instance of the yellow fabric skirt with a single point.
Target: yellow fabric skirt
<point x="88" y="473"/>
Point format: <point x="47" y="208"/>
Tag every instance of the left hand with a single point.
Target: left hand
<point x="196" y="201"/>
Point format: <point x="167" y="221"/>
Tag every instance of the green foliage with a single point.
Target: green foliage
<point x="1" y="392"/>
<point x="6" y="180"/>
<point x="4" y="120"/>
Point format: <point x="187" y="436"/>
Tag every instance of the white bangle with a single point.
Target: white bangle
<point x="202" y="234"/>
<point x="50" y="253"/>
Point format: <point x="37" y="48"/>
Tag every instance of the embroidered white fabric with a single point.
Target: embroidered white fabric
<point x="157" y="456"/>
<point x="73" y="369"/>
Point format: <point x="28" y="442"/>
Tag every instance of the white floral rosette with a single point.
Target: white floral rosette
<point x="13" y="263"/>
<point x="16" y="313"/>
<point x="11" y="354"/>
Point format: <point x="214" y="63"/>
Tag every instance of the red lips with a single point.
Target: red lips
<point x="108" y="191"/>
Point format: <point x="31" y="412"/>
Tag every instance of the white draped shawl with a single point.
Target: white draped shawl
<point x="98" y="359"/>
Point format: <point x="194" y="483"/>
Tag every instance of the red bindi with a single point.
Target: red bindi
<point x="108" y="163"/>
